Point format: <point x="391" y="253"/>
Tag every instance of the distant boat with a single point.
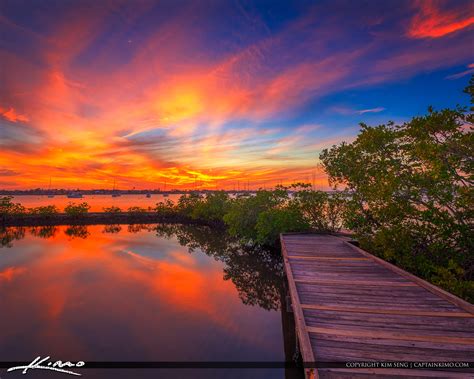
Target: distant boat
<point x="115" y="193"/>
<point x="50" y="195"/>
<point x="166" y="194"/>
<point x="148" y="195"/>
<point x="74" y="195"/>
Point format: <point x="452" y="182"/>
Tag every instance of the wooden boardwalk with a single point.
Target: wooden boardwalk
<point x="351" y="306"/>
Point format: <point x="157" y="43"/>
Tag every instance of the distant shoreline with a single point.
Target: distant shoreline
<point x="102" y="218"/>
<point x="130" y="192"/>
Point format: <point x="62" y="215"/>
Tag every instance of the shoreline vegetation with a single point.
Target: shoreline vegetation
<point x="101" y="218"/>
<point x="405" y="191"/>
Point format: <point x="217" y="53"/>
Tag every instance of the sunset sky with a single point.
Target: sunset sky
<point x="213" y="92"/>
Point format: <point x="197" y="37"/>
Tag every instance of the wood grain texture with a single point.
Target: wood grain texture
<point x="353" y="306"/>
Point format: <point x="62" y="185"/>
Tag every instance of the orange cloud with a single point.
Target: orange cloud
<point x="433" y="22"/>
<point x="11" y="115"/>
<point x="170" y="104"/>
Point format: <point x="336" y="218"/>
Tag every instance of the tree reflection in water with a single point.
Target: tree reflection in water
<point x="137" y="228"/>
<point x="112" y="229"/>
<point x="77" y="231"/>
<point x="256" y="273"/>
<point x="10" y="234"/>
<point x="44" y="231"/>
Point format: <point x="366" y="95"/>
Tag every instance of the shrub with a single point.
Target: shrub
<point x="44" y="211"/>
<point x="212" y="208"/>
<point x="9" y="208"/>
<point x="321" y="210"/>
<point x="409" y="193"/>
<point x="166" y="207"/>
<point x="112" y="210"/>
<point x="274" y="221"/>
<point x="187" y="204"/>
<point x="242" y="216"/>
<point x="77" y="210"/>
<point x="135" y="211"/>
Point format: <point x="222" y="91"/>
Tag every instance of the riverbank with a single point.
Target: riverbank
<point x="105" y="218"/>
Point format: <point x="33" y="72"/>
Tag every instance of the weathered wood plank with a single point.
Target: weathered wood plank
<point x="463" y="326"/>
<point x="379" y="334"/>
<point x="316" y="258"/>
<point x="430" y="287"/>
<point x="388" y="311"/>
<point x="354" y="307"/>
<point x="357" y="282"/>
<point x="346" y="351"/>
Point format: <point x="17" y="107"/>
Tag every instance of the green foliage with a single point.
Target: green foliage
<point x="244" y="212"/>
<point x="212" y="207"/>
<point x="410" y="193"/>
<point x="258" y="218"/>
<point x="274" y="221"/>
<point x="165" y="208"/>
<point x="113" y="210"/>
<point x="187" y="204"/>
<point x="9" y="208"/>
<point x="77" y="210"/>
<point x="44" y="211"/>
<point x="320" y="210"/>
<point x="135" y="211"/>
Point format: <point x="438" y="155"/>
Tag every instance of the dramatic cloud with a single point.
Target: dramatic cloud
<point x="148" y="92"/>
<point x="434" y="22"/>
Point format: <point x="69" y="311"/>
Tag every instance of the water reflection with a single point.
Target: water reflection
<point x="44" y="231"/>
<point x="77" y="231"/>
<point x="141" y="292"/>
<point x="257" y="274"/>
<point x="137" y="228"/>
<point x="112" y="228"/>
<point x="8" y="235"/>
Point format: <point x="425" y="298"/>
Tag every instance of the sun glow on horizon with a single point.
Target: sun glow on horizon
<point x="208" y="96"/>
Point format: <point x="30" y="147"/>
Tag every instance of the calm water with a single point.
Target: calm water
<point x="97" y="202"/>
<point x="139" y="293"/>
